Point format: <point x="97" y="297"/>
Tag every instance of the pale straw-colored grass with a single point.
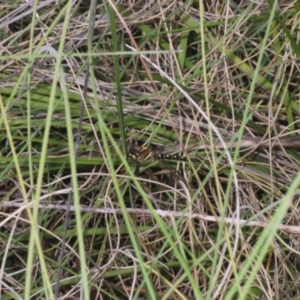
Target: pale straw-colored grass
<point x="80" y="82"/>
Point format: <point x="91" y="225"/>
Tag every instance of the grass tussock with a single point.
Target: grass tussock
<point x="82" y="83"/>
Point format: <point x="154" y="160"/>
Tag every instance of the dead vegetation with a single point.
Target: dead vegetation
<point x="217" y="84"/>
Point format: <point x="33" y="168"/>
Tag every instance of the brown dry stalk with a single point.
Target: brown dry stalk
<point x="160" y="212"/>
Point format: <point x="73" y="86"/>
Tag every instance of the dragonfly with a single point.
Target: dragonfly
<point x="144" y="154"/>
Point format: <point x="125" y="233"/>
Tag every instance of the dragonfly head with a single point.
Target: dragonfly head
<point x="140" y="155"/>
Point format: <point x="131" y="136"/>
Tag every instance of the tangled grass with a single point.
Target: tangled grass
<point x="83" y="81"/>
